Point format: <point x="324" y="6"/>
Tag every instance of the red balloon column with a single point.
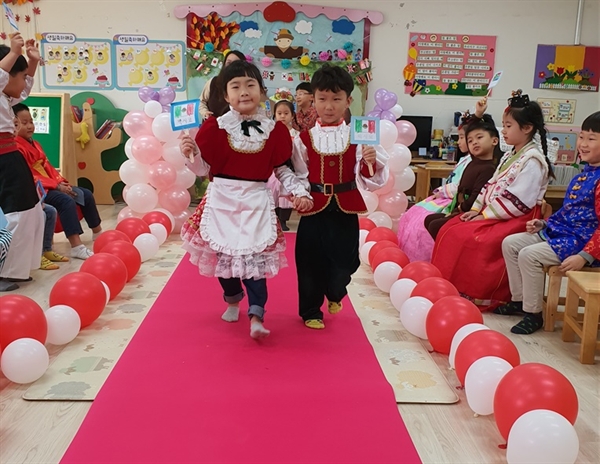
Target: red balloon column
<point x="445" y="317"/>
<point x="132" y="227"/>
<point x="533" y="386"/>
<point x="109" y="236"/>
<point x="434" y="289"/>
<point x="382" y="233"/>
<point x="484" y="343"/>
<point x="21" y="317"/>
<point x="81" y="291"/>
<point x="366" y="224"/>
<point x="109" y="269"/>
<point x="157" y="217"/>
<point x="380" y="246"/>
<point x="395" y="255"/>
<point x="127" y="253"/>
<point x="419" y="270"/>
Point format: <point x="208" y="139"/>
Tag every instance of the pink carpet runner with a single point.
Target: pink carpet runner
<point x="191" y="388"/>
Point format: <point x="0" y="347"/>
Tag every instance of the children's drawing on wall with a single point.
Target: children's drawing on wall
<point x="449" y="64"/>
<point x="41" y="118"/>
<point x="73" y="63"/>
<point x="147" y="63"/>
<point x="557" y="110"/>
<point x="567" y="67"/>
<point x="288" y="43"/>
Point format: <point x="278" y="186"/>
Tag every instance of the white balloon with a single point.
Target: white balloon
<point x="381" y="219"/>
<point x="161" y="128"/>
<point x="128" y="145"/>
<point x="400" y="292"/>
<point x="405" y="179"/>
<point x="413" y="315"/>
<point x="170" y="216"/>
<point x="147" y="245"/>
<point x="396" y="110"/>
<point x="185" y="178"/>
<point x="400" y="158"/>
<point x="362" y="236"/>
<point x="107" y="290"/>
<point x="371" y="200"/>
<point x="388" y="133"/>
<point x="542" y="436"/>
<point x="152" y="108"/>
<point x="63" y="324"/>
<point x="159" y="231"/>
<point x="131" y="172"/>
<point x="172" y="154"/>
<point x="364" y="252"/>
<point x="386" y="274"/>
<point x="460" y="335"/>
<point x="481" y="382"/>
<point x="24" y="361"/>
<point x="142" y="198"/>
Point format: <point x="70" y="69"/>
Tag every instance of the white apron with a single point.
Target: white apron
<point x="238" y="217"/>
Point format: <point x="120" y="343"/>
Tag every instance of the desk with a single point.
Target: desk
<point x="425" y="173"/>
<point x="555" y="195"/>
<point x="419" y="160"/>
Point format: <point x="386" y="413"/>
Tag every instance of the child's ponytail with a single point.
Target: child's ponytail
<point x="543" y="136"/>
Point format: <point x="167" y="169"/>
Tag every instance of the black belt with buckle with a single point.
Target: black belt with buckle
<point x="332" y="189"/>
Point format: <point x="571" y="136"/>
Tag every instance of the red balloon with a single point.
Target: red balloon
<point x="480" y="344"/>
<point x="108" y="237"/>
<point x="434" y="288"/>
<point x="532" y="386"/>
<point x="157" y="217"/>
<point x="132" y="227"/>
<point x="380" y="246"/>
<point x="127" y="253"/>
<point x="381" y="233"/>
<point x="21" y="317"/>
<point x="395" y="255"/>
<point x="109" y="269"/>
<point x="366" y="224"/>
<point x="81" y="291"/>
<point x="445" y="317"/>
<point x="419" y="270"/>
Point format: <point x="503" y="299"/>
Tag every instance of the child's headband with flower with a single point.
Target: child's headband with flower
<point x="282" y="94"/>
<point x="518" y="100"/>
<point x="465" y="118"/>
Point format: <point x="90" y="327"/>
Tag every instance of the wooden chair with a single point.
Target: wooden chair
<point x="584" y="285"/>
<point x="552" y="298"/>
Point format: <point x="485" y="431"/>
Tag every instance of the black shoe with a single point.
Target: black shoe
<point x="6" y="286"/>
<point x="530" y="323"/>
<point x="10" y="279"/>
<point x="284" y="227"/>
<point x="510" y="309"/>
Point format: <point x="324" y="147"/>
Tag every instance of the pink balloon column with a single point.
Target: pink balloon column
<point x="155" y="175"/>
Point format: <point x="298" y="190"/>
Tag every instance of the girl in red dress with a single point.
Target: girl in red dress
<point x="234" y="234"/>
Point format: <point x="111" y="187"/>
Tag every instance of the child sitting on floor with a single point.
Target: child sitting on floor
<point x="569" y="238"/>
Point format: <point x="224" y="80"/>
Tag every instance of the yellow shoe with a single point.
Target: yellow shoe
<point x="314" y="324"/>
<point x="55" y="257"/>
<point x="47" y="265"/>
<point x="334" y="307"/>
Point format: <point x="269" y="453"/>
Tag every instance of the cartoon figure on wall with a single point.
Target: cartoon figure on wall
<point x="284" y="48"/>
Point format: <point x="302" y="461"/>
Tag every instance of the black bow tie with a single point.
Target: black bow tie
<point x="246" y="125"/>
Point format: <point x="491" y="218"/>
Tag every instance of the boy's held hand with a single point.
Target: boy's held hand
<point x="481" y="107"/>
<point x="534" y="226"/>
<point x="369" y="156"/>
<point x="16" y="43"/>
<point x="32" y="50"/>
<point x="573" y="263"/>
<point x="302" y="204"/>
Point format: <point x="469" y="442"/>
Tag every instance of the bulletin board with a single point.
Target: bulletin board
<point x="449" y="64"/>
<point x="74" y="63"/>
<point x="558" y="110"/>
<point x="58" y="141"/>
<point x="143" y="62"/>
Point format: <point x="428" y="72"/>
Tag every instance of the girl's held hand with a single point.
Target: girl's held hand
<point x="302" y="204"/>
<point x="534" y="226"/>
<point x="481" y="107"/>
<point x="16" y="43"/>
<point x="369" y="154"/>
<point x="188" y="147"/>
<point x="469" y="216"/>
<point x="572" y="263"/>
<point x="33" y="52"/>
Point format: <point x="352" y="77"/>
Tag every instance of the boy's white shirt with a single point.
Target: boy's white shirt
<point x="7" y="116"/>
<point x="333" y="139"/>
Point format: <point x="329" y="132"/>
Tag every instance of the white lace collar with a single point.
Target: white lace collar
<point x="231" y="122"/>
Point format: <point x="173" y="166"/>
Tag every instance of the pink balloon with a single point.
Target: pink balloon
<point x="407" y="133"/>
<point x="174" y="199"/>
<point x="400" y="158"/>
<point x="387" y="188"/>
<point x="162" y="175"/>
<point x="180" y="218"/>
<point x="393" y="203"/>
<point x="146" y="149"/>
<point x="126" y="213"/>
<point x="124" y="193"/>
<point x="136" y="123"/>
<point x="185" y="178"/>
